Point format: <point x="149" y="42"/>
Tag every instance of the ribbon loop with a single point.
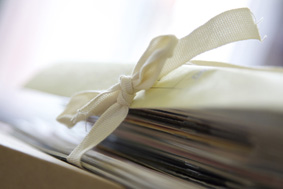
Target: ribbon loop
<point x="113" y="105"/>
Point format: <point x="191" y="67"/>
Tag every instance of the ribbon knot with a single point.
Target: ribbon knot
<point x="126" y="95"/>
<point x="113" y="104"/>
<point x="164" y="54"/>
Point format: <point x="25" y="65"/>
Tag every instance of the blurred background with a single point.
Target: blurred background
<point x="35" y="34"/>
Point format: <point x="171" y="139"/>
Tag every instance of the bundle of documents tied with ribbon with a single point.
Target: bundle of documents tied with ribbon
<point x="173" y="122"/>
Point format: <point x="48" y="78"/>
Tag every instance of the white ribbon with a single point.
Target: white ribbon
<point x="164" y="54"/>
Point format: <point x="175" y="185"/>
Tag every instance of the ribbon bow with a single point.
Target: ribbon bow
<point x="164" y="54"/>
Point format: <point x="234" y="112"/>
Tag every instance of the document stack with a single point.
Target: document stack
<point x="173" y="123"/>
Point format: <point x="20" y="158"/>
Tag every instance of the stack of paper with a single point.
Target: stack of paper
<point x="190" y="124"/>
<point x="160" y="148"/>
<point x="211" y="152"/>
<point x="26" y="120"/>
